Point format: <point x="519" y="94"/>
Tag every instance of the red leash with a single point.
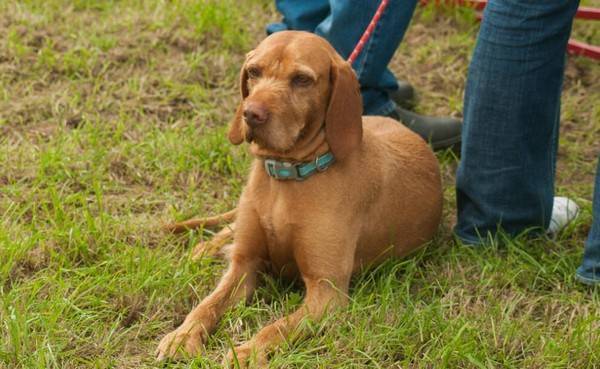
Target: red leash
<point x="367" y="34"/>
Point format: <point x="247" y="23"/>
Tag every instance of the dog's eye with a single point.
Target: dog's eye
<point x="301" y="80"/>
<point x="253" y="72"/>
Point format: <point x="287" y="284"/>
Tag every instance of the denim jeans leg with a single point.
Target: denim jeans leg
<point x="342" y="23"/>
<point x="589" y="271"/>
<point x="511" y="114"/>
<point x="344" y="27"/>
<point x="299" y="15"/>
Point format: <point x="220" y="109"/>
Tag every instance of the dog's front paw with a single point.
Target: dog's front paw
<point x="184" y="341"/>
<point x="245" y="356"/>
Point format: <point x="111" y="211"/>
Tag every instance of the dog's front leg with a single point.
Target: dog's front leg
<point x="322" y="295"/>
<point x="239" y="282"/>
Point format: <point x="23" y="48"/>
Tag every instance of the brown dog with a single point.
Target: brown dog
<point x="380" y="198"/>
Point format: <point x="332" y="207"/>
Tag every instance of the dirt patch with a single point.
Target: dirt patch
<point x="131" y="307"/>
<point x="28" y="265"/>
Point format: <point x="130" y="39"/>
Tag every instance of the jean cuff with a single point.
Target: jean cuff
<point x="470" y="241"/>
<point x="383" y="110"/>
<point x="587" y="277"/>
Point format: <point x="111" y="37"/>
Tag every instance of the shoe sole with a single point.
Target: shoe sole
<point x="450" y="142"/>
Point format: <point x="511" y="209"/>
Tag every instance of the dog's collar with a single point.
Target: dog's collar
<point x="285" y="170"/>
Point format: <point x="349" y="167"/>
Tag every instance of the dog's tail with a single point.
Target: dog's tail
<point x="208" y="222"/>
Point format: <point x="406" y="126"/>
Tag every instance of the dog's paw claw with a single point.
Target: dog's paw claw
<point x="180" y="343"/>
<point x="245" y="357"/>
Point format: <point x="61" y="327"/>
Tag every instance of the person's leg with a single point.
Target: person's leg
<point x="376" y="80"/>
<point x="344" y="26"/>
<point x="589" y="271"/>
<point x="511" y="112"/>
<point x="299" y="15"/>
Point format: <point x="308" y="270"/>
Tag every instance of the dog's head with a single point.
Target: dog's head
<point x="293" y="85"/>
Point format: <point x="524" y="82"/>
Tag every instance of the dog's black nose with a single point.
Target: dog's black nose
<point x="255" y="114"/>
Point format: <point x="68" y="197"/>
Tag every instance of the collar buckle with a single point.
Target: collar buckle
<point x="323" y="167"/>
<point x="281" y="170"/>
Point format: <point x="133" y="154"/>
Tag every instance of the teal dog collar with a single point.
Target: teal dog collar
<point x="285" y="170"/>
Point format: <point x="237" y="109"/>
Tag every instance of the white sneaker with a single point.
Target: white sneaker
<point x="564" y="210"/>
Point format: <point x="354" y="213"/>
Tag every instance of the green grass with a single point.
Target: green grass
<point x="112" y="121"/>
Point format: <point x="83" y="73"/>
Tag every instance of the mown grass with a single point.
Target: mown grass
<point x="112" y="121"/>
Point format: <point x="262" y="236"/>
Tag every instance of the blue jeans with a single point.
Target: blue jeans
<point x="342" y="22"/>
<point x="505" y="179"/>
<point x="589" y="271"/>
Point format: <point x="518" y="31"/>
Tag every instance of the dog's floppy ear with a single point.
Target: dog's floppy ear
<point x="236" y="129"/>
<point x="343" y="122"/>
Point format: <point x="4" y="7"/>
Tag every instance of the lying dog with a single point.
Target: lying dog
<point x="330" y="191"/>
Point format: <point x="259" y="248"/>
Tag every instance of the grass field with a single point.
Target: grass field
<point x="112" y="122"/>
